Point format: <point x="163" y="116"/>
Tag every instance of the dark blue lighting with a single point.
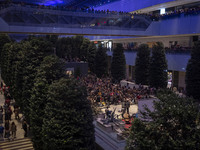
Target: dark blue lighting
<point x="51" y="2"/>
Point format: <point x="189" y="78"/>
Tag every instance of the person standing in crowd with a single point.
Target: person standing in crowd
<point x="25" y="127"/>
<point x="1" y="131"/>
<point x="1" y="109"/>
<point x="9" y="112"/>
<point x="7" y="129"/>
<point x="1" y="117"/>
<point x="16" y="111"/>
<point x="13" y="130"/>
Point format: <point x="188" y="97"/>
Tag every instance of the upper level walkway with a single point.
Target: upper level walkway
<point x="29" y="19"/>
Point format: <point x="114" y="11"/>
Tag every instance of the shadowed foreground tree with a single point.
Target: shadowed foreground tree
<point x="51" y="69"/>
<point x="158" y="67"/>
<point x="175" y="124"/>
<point x="101" y="63"/>
<point x="39" y="48"/>
<point x="118" y="65"/>
<point x="142" y="64"/>
<point x="193" y="73"/>
<point x="68" y="117"/>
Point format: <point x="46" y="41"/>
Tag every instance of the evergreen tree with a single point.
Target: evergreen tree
<point x="101" y="63"/>
<point x="33" y="53"/>
<point x="118" y="65"/>
<point x="52" y="38"/>
<point x="174" y="125"/>
<point x="158" y="67"/>
<point x="4" y="38"/>
<point x="76" y="46"/>
<point x="51" y="69"/>
<point x="84" y="49"/>
<point x="19" y="73"/>
<point x="64" y="47"/>
<point x="91" y="57"/>
<point x="193" y="73"/>
<point x="142" y="64"/>
<point x="14" y="49"/>
<point x="68" y="121"/>
<point x="5" y="52"/>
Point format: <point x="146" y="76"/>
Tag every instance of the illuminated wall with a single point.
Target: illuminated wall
<point x="176" y="61"/>
<point x="130" y="5"/>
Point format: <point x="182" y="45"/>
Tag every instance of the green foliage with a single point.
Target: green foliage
<point x="193" y="73"/>
<point x="158" y="67"/>
<point x="118" y="65"/>
<point x="73" y="47"/>
<point x="68" y="117"/>
<point x="142" y="65"/>
<point x="10" y="59"/>
<point x="51" y="69"/>
<point x="5" y="61"/>
<point x="52" y="38"/>
<point x="4" y="38"/>
<point x="22" y="61"/>
<point x="76" y="46"/>
<point x="174" y="125"/>
<point x="101" y="63"/>
<point x="33" y="57"/>
<point x="64" y="47"/>
<point x="84" y="49"/>
<point x="91" y="57"/>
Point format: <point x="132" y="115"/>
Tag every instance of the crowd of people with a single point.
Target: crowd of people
<point x="104" y="92"/>
<point x="8" y="131"/>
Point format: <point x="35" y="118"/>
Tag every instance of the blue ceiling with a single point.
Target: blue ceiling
<point x="67" y="3"/>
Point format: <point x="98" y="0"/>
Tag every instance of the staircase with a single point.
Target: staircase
<point x="17" y="144"/>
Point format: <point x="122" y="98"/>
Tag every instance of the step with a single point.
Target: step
<point x="17" y="144"/>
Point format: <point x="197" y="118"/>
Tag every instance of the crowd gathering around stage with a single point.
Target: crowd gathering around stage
<point x="104" y="92"/>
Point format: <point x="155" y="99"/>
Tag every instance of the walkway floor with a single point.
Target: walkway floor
<point x="18" y="143"/>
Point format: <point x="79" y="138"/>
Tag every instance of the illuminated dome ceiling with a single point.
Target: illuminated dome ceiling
<point x="67" y="3"/>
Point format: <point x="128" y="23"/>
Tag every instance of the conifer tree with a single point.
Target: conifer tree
<point x="142" y="64"/>
<point x="91" y="57"/>
<point x="101" y="63"/>
<point x="118" y="65"/>
<point x="68" y="122"/>
<point x="34" y="52"/>
<point x="84" y="49"/>
<point x="76" y="46"/>
<point x="158" y="67"/>
<point x="50" y="70"/>
<point x="4" y="38"/>
<point x="5" y="52"/>
<point x="64" y="47"/>
<point x="174" y="124"/>
<point x="193" y="73"/>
